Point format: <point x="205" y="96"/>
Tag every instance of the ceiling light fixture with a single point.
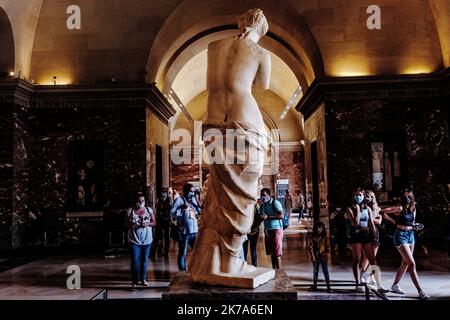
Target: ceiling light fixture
<point x="291" y="101"/>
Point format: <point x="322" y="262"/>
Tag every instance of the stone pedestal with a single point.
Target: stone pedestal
<point x="183" y="288"/>
<point x="248" y="280"/>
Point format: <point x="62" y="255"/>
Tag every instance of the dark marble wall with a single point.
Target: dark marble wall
<point x="14" y="172"/>
<point x="38" y="127"/>
<point x="6" y="174"/>
<point x="121" y="129"/>
<point x="422" y="123"/>
<point x="22" y="190"/>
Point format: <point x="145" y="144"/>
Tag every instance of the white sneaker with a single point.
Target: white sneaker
<point x="362" y="278"/>
<point x="423" y="295"/>
<point x="396" y="289"/>
<point x="359" y="289"/>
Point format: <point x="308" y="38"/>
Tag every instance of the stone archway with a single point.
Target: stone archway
<point x="440" y="9"/>
<point x="7" y="56"/>
<point x="187" y="31"/>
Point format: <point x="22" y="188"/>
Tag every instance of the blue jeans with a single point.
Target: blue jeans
<point x="185" y="240"/>
<point x="301" y="215"/>
<point x="324" y="264"/>
<point x="253" y="239"/>
<point x="139" y="262"/>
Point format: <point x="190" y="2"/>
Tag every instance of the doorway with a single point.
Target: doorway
<point x="159" y="169"/>
<point x="315" y="181"/>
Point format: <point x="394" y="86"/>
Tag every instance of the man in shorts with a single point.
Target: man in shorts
<point x="271" y="211"/>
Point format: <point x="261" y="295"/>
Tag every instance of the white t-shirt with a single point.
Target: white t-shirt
<point x="136" y="233"/>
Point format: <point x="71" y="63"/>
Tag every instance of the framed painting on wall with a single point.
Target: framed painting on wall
<point x="85" y="181"/>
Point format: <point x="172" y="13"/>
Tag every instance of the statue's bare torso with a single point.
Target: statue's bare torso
<point x="234" y="65"/>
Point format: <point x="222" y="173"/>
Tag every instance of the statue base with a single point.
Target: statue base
<point x="249" y="280"/>
<point x="183" y="287"/>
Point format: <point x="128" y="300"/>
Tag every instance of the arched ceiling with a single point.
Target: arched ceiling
<point x="140" y="39"/>
<point x="441" y="12"/>
<point x="7" y="54"/>
<point x="23" y="16"/>
<point x="406" y="43"/>
<point x="191" y="80"/>
<point x="193" y="29"/>
<point x="114" y="40"/>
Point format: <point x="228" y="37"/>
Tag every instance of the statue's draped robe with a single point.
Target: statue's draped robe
<point x="232" y="190"/>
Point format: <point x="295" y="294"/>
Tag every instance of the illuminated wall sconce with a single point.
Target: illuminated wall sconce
<point x="11" y="74"/>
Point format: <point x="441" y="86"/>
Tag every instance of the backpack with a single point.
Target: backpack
<point x="285" y="215"/>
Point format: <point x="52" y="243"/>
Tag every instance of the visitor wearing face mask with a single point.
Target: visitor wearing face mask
<point x="319" y="248"/>
<point x="185" y="211"/>
<point x="361" y="237"/>
<point x="372" y="203"/>
<point x="271" y="212"/>
<point x="404" y="216"/>
<point x="139" y="220"/>
<point x="163" y="205"/>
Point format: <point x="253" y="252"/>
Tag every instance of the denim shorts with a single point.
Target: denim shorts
<point x="403" y="237"/>
<point x="360" y="236"/>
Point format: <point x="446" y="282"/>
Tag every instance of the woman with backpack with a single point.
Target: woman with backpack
<point x="185" y="211"/>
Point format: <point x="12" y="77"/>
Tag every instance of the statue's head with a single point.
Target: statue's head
<point x="253" y="20"/>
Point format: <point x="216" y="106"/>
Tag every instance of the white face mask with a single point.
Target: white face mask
<point x="141" y="205"/>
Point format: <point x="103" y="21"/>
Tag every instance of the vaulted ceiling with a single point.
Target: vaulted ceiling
<point x="155" y="40"/>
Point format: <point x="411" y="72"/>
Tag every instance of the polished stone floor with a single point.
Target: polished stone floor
<point x="46" y="278"/>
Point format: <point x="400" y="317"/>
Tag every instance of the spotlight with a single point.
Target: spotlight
<point x="11" y="74"/>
